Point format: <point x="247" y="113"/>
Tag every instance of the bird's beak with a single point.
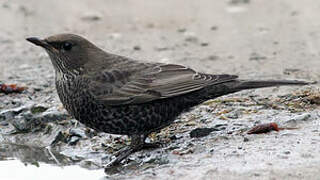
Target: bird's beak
<point x="40" y="42"/>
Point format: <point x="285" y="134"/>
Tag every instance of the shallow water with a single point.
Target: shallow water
<point x="24" y="162"/>
<point x="16" y="170"/>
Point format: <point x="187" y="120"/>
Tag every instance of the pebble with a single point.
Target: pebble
<point x="91" y="16"/>
<point x="286" y="152"/>
<point x="182" y="30"/>
<point x="214" y="28"/>
<point x="256" y="57"/>
<point x="201" y="132"/>
<point x="38" y="109"/>
<point x="73" y="140"/>
<point x="11" y="113"/>
<point x="204" y="44"/>
<point x="191" y="37"/>
<point x="236" y="2"/>
<point x="136" y="48"/>
<point x="213" y="57"/>
<point x="77" y="132"/>
<point x="298" y="119"/>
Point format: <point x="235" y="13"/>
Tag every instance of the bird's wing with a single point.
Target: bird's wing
<point x="158" y="82"/>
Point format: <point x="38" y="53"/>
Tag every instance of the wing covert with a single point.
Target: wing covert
<point x="159" y="82"/>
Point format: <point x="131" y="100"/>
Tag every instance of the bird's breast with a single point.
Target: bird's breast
<point x="73" y="95"/>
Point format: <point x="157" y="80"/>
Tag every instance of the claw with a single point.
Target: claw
<point x="137" y="144"/>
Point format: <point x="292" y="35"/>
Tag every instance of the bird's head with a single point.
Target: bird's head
<point x="68" y="52"/>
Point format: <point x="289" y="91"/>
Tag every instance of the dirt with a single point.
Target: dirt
<point x="253" y="39"/>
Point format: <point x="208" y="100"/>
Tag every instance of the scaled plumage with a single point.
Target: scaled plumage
<point x="119" y="95"/>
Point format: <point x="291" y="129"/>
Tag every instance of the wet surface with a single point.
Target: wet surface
<point x="41" y="170"/>
<point x="252" y="39"/>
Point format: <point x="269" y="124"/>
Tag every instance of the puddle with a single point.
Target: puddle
<point x="24" y="162"/>
<point x="17" y="170"/>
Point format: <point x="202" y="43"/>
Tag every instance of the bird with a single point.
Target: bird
<point x="120" y="95"/>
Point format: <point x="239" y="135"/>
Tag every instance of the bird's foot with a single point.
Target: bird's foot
<point x="112" y="167"/>
<point x="151" y="145"/>
<point x="127" y="151"/>
<point x="123" y="153"/>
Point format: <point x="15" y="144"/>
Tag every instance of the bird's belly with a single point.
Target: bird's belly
<point x="129" y="119"/>
<point x="126" y="119"/>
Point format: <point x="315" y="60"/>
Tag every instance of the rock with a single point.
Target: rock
<point x="4" y="123"/>
<point x="298" y="118"/>
<point x="21" y="125"/>
<point x="38" y="109"/>
<point x="245" y="139"/>
<point x="294" y="13"/>
<point x="219" y="126"/>
<point x="182" y="30"/>
<point x="256" y="57"/>
<point x="233" y="114"/>
<point x="201" y="132"/>
<point x="91" y="16"/>
<point x="213" y="57"/>
<point x="163" y="48"/>
<point x="191" y="37"/>
<point x="32" y="119"/>
<point x="230" y="57"/>
<point x="286" y="152"/>
<point x="55" y="137"/>
<point x="53" y="114"/>
<point x="204" y="44"/>
<point x="136" y="48"/>
<point x="89" y="164"/>
<point x="77" y="132"/>
<point x="236" y="2"/>
<point x="214" y="28"/>
<point x="11" y="113"/>
<point x="73" y="140"/>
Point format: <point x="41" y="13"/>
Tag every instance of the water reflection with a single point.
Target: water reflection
<point x="33" y="155"/>
<point x="24" y="162"/>
<point x="15" y="170"/>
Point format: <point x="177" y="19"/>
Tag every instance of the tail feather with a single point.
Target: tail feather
<point x="249" y="84"/>
<point x="233" y="86"/>
<point x="238" y="85"/>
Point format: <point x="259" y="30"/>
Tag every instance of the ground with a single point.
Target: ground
<point x="253" y="39"/>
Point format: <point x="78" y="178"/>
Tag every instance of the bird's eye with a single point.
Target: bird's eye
<point x="67" y="46"/>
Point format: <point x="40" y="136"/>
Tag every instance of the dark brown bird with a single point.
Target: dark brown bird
<point x="119" y="95"/>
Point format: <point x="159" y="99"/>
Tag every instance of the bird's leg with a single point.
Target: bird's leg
<point x="151" y="145"/>
<point x="137" y="143"/>
<point x="121" y="155"/>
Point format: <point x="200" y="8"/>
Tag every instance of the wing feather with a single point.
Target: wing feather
<point x="158" y="82"/>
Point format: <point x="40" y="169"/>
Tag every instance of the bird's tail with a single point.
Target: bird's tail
<point x="238" y="85"/>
